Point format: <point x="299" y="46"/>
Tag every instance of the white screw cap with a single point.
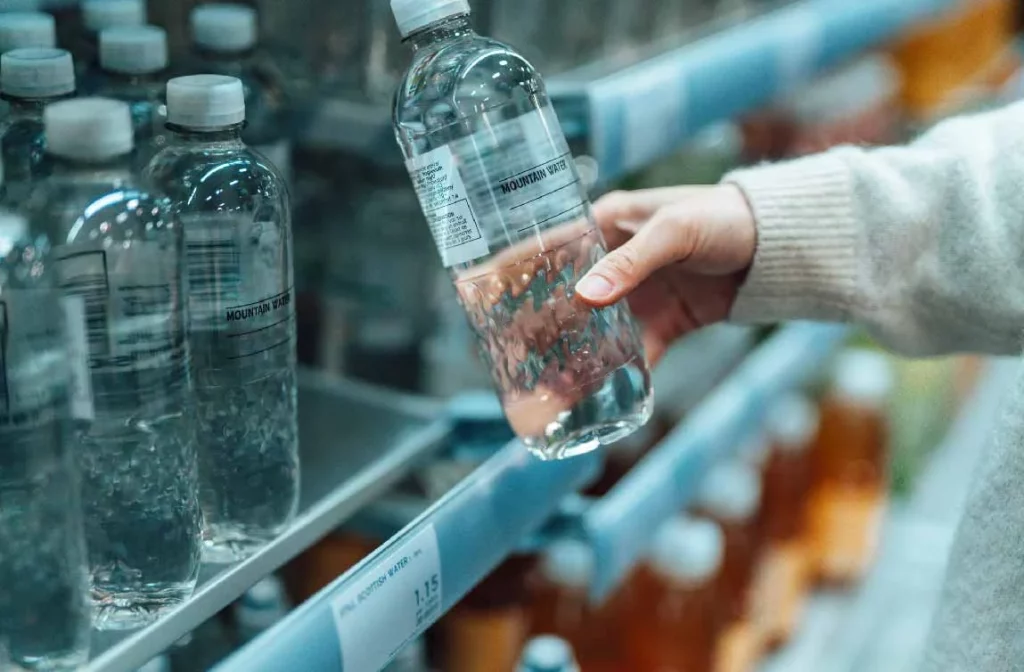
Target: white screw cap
<point x="88" y="129"/>
<point x="36" y="73"/>
<point x="792" y="423"/>
<point x="568" y="563"/>
<point x="688" y="550"/>
<point x="205" y="101"/>
<point x="263" y="605"/>
<point x="411" y="15"/>
<point x="547" y="653"/>
<point x="731" y="492"/>
<point x="863" y="376"/>
<point x="134" y="50"/>
<point x="27" y="30"/>
<point x="13" y="228"/>
<point x="225" y="27"/>
<point x="99" y="15"/>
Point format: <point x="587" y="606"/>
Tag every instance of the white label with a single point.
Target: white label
<point x="32" y="358"/>
<point x="78" y="358"/>
<point x="498" y="186"/>
<point x="446" y="206"/>
<point x="399" y="597"/>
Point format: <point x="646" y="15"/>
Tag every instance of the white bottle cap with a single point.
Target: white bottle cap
<point x="13" y="228"/>
<point x="88" y="129"/>
<point x="568" y="563"/>
<point x="27" y="30"/>
<point x="262" y="606"/>
<point x="411" y="15"/>
<point x="688" y="549"/>
<point x="731" y="492"/>
<point x="99" y="15"/>
<point x="863" y="376"/>
<point x="224" y="27"/>
<point x="134" y="50"/>
<point x="547" y="653"/>
<point x="792" y="423"/>
<point x="37" y="73"/>
<point x="205" y="101"/>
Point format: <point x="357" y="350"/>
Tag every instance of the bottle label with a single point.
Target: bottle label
<point x="33" y="375"/>
<point x="78" y="356"/>
<point x="131" y="304"/>
<point x="239" y="287"/>
<point x="498" y="186"/>
<point x="391" y="603"/>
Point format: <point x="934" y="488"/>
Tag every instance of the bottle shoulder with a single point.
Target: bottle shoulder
<point x="217" y="179"/>
<point x="462" y="78"/>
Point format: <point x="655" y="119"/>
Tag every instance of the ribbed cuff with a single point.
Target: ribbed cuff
<point x="806" y="262"/>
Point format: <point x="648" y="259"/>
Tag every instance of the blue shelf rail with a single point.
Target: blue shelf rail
<point x="621" y="525"/>
<point x="646" y="111"/>
<point x="365" y="617"/>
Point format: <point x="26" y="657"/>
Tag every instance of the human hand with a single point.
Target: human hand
<point x="678" y="254"/>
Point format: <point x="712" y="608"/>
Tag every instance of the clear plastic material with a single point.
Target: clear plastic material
<point x="512" y="222"/>
<point x="234" y="207"/>
<point x="44" y="602"/>
<point x="118" y="251"/>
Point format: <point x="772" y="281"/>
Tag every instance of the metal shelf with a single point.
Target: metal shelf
<point x="637" y="114"/>
<point x="356" y="442"/>
<point x="364" y="617"/>
<point x="620" y="526"/>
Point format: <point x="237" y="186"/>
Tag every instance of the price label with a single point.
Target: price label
<point x="395" y="600"/>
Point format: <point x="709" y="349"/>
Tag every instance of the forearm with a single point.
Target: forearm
<point x="923" y="245"/>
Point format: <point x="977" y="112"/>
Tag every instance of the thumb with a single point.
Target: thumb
<point x="667" y="238"/>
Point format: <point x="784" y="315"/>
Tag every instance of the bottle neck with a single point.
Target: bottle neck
<point x="32" y="106"/>
<point x="222" y="135"/>
<point x="114" y="167"/>
<point x="123" y="79"/>
<point x="440" y="31"/>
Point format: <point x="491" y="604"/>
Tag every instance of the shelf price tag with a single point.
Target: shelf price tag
<point x="392" y="603"/>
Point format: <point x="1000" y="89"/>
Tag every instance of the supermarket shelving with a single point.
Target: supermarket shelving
<point x="368" y="613"/>
<point x="356" y="442"/>
<point x="631" y="114"/>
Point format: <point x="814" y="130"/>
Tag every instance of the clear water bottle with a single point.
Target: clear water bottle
<point x="119" y="252"/>
<point x="234" y="207"/>
<point x="97" y="16"/>
<point x="30" y="79"/>
<point x="512" y="222"/>
<point x="226" y="39"/>
<point x="44" y="602"/>
<point x="27" y="30"/>
<point x="547" y="653"/>
<point x="134" y="60"/>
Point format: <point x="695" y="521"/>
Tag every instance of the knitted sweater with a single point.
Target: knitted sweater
<point x="924" y="246"/>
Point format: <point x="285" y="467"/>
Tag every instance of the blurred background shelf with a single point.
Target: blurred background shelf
<point x="356" y="442"/>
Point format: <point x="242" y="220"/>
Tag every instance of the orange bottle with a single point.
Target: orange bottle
<point x="850" y="469"/>
<point x="671" y="623"/>
<point x="781" y="583"/>
<point x="487" y="631"/>
<point x="561" y="607"/>
<point x="730" y="495"/>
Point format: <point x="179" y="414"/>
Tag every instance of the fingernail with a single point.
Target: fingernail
<point x="595" y="287"/>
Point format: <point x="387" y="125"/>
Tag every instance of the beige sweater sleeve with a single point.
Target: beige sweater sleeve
<point x="923" y="245"/>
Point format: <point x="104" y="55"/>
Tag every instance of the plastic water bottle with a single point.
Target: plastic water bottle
<point x="44" y="606"/>
<point x="97" y="16"/>
<point x="504" y="201"/>
<point x="260" y="608"/>
<point x="547" y="653"/>
<point x="133" y="61"/>
<point x="27" y="30"/>
<point x="30" y="79"/>
<point x="119" y="252"/>
<point x="226" y="39"/>
<point x="234" y="208"/>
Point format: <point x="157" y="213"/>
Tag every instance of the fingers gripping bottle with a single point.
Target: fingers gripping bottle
<point x="118" y="253"/>
<point x="512" y="222"/>
<point x="233" y="205"/>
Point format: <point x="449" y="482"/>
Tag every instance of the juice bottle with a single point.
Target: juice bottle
<point x="781" y="582"/>
<point x="561" y="606"/>
<point x="672" y="623"/>
<point x="850" y="482"/>
<point x="487" y="630"/>
<point x="731" y="496"/>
